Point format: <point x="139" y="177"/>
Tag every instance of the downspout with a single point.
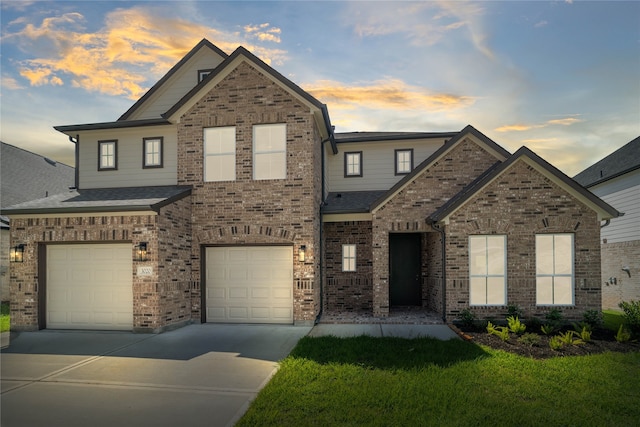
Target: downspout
<point x="321" y="248"/>
<point x="77" y="158"/>
<point x="437" y="228"/>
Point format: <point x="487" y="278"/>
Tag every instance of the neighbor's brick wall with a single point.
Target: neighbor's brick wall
<point x="519" y="204"/>
<point x="245" y="211"/>
<point x="408" y="210"/>
<point x="614" y="257"/>
<point x="347" y="291"/>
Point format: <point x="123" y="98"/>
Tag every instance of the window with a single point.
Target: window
<point x="348" y="257"/>
<point x="270" y="151"/>
<point x="107" y="155"/>
<point x="220" y="154"/>
<point x="487" y="278"/>
<point x="404" y="161"/>
<point x="152" y="152"/>
<point x="353" y="164"/>
<point x="554" y="269"/>
<point x="202" y="74"/>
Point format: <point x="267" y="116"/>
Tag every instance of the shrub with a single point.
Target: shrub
<point x="500" y="331"/>
<point x="568" y="338"/>
<point x="554" y="316"/>
<point x="631" y="315"/>
<point x="513" y="310"/>
<point x="623" y="335"/>
<point x="529" y="339"/>
<point x="583" y="330"/>
<point x="593" y="318"/>
<point x="467" y="318"/>
<point x="555" y="343"/>
<point x="534" y="324"/>
<point x="548" y="329"/>
<point x="515" y="325"/>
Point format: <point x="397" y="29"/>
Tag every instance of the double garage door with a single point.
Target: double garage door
<point x="249" y="284"/>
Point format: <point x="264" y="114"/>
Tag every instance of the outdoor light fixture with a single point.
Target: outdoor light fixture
<point x="301" y="252"/>
<point x="141" y="251"/>
<point x="16" y="254"/>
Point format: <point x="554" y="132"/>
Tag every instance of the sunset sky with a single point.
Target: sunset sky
<point x="561" y="77"/>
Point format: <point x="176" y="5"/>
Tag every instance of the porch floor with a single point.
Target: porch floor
<point x="397" y="316"/>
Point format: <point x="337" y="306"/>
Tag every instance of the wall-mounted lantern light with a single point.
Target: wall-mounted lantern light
<point x="301" y="253"/>
<point x="16" y="254"/>
<point x="141" y="252"/>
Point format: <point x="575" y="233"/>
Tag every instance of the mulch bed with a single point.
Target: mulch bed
<point x="601" y="341"/>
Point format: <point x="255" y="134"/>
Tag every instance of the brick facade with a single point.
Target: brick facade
<point x="623" y="287"/>
<point x="246" y="211"/>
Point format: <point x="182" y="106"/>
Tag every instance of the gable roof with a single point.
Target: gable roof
<point x="624" y="160"/>
<point x="350" y="201"/>
<point x="321" y="112"/>
<point x="604" y="210"/>
<point x="203" y="44"/>
<point x="342" y="137"/>
<point x="499" y="152"/>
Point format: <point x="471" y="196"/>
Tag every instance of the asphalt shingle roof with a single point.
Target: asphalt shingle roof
<point x="350" y="201"/>
<point x="623" y="160"/>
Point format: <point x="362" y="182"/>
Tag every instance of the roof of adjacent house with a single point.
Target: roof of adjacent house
<point x="622" y="161"/>
<point x="342" y="137"/>
<point x="27" y="176"/>
<point x="103" y="200"/>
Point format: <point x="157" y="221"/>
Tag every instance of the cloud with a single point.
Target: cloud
<point x="263" y="32"/>
<point x="566" y="121"/>
<point x="541" y="24"/>
<point x="10" y="83"/>
<point x="124" y="57"/>
<point x="385" y="94"/>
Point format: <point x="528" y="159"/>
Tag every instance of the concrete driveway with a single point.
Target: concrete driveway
<point x="197" y="375"/>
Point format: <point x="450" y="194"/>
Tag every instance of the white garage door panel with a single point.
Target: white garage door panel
<point x="249" y="284"/>
<point x="90" y="287"/>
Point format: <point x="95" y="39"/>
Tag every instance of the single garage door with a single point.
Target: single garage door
<point x="249" y="284"/>
<point x="89" y="287"/>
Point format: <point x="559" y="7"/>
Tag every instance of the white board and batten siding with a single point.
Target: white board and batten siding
<point x="130" y="171"/>
<point x="378" y="163"/>
<point x="249" y="284"/>
<point x="623" y="193"/>
<point x="89" y="286"/>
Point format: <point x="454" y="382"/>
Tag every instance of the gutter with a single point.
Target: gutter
<point x="437" y="228"/>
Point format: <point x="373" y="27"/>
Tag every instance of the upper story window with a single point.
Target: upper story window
<point x="353" y="164"/>
<point x="348" y="257"/>
<point x="554" y="269"/>
<point x="152" y="152"/>
<point x="270" y="151"/>
<point x="404" y="161"/>
<point x="220" y="154"/>
<point x="202" y="74"/>
<point x="107" y="155"/>
<point x="487" y="270"/>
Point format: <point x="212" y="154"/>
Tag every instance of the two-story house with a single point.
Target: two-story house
<point x="224" y="195"/>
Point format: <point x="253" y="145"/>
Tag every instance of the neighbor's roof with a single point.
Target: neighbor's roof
<point x="103" y="200"/>
<point x="621" y="161"/>
<point x="389" y="136"/>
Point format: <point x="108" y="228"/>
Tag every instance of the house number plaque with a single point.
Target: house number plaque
<point x="145" y="271"/>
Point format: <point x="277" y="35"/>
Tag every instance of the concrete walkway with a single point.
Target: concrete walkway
<point x="441" y="332"/>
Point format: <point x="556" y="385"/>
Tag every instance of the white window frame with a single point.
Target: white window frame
<point x="152" y="152"/>
<point x="349" y="257"/>
<point x="108" y="155"/>
<point x="270" y="151"/>
<point x="404" y="161"/>
<point x="219" y="152"/>
<point x="487" y="272"/>
<point x="352" y="168"/>
<point x="552" y="274"/>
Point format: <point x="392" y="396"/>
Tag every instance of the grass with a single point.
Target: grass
<point x="368" y="381"/>
<point x="4" y="317"/>
<point x="612" y="319"/>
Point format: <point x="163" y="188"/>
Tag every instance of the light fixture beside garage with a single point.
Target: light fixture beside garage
<point x="301" y="253"/>
<point x="141" y="251"/>
<point x="16" y="254"/>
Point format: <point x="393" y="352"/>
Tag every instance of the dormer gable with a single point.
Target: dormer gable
<point x="180" y="79"/>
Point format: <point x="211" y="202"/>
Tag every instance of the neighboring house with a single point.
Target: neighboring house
<point x="25" y="176"/>
<point x="616" y="179"/>
<point x="223" y="195"/>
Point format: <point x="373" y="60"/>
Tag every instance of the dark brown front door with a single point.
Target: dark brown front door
<point x="405" y="269"/>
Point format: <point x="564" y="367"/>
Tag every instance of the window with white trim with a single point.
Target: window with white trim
<point x="220" y="154"/>
<point x="107" y="155"/>
<point x="487" y="270"/>
<point x="270" y="151"/>
<point x="404" y="161"/>
<point x="554" y="269"/>
<point x="353" y="164"/>
<point x="348" y="257"/>
<point x="152" y="152"/>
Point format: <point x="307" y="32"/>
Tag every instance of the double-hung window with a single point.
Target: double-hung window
<point x="107" y="155"/>
<point x="270" y="151"/>
<point x="220" y="154"/>
<point x="554" y="269"/>
<point x="404" y="161"/>
<point x="348" y="257"/>
<point x="353" y="164"/>
<point x="487" y="270"/>
<point x="152" y="152"/>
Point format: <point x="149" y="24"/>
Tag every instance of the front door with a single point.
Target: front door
<point x="405" y="269"/>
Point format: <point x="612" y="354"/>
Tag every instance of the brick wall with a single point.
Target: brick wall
<point x="519" y="204"/>
<point x="623" y="288"/>
<point x="244" y="211"/>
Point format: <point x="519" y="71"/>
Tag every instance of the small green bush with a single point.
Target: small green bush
<point x="548" y="329"/>
<point x="623" y="334"/>
<point x="593" y="318"/>
<point x="556" y="343"/>
<point x="569" y="338"/>
<point x="467" y="318"/>
<point x="631" y="315"/>
<point x="515" y="325"/>
<point x="501" y="332"/>
<point x="514" y="310"/>
<point x="583" y="330"/>
<point x="530" y="339"/>
<point x="534" y="324"/>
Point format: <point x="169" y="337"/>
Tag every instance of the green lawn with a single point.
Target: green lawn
<point x="612" y="319"/>
<point x="4" y="317"/>
<point x="367" y="381"/>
